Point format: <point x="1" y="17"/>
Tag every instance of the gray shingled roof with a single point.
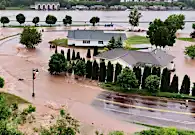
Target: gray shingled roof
<point x="94" y="35"/>
<point x="156" y="57"/>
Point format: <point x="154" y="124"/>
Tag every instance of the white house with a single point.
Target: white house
<point x="131" y="58"/>
<point x="88" y="38"/>
<point x="47" y="5"/>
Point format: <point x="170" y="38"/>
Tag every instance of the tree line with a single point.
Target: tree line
<point x="50" y="19"/>
<point x="151" y="79"/>
<point x="69" y="4"/>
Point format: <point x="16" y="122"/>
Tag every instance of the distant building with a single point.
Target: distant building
<point x="148" y="0"/>
<point x="47" y="6"/>
<point x="87" y="38"/>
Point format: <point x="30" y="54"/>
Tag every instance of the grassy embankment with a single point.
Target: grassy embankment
<point x="13" y="98"/>
<point x="63" y="42"/>
<point x="135" y="40"/>
<point x="187" y="39"/>
<point x="115" y="88"/>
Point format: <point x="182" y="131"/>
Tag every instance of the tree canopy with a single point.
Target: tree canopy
<point x="30" y="37"/>
<point x="127" y="79"/>
<point x="94" y="20"/>
<point x="11" y="117"/>
<point x="35" y="20"/>
<point x="80" y="68"/>
<point x="57" y="64"/>
<point x="50" y="19"/>
<point x="162" y="33"/>
<point x="115" y="43"/>
<point x="20" y="18"/>
<point x="134" y="17"/>
<point x="4" y="20"/>
<point x="152" y="83"/>
<point x="67" y="20"/>
<point x="190" y="51"/>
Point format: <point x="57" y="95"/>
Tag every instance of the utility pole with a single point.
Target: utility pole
<point x="34" y="73"/>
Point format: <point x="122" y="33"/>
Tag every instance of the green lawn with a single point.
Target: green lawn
<point x="115" y="88"/>
<point x="13" y="98"/>
<point x="60" y="42"/>
<point x="137" y="40"/>
<point x="187" y="39"/>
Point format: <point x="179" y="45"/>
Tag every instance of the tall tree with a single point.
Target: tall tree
<point x="193" y="90"/>
<point x="110" y="70"/>
<point x="62" y="52"/>
<point x="80" y="68"/>
<point x="175" y="22"/>
<point x="102" y="72"/>
<point x="20" y="18"/>
<point x="73" y="55"/>
<point x="95" y="70"/>
<point x="50" y="19"/>
<point x="159" y="34"/>
<point x="165" y="80"/>
<point x="70" y="67"/>
<point x="57" y="64"/>
<point x="67" y="20"/>
<point x="119" y="43"/>
<point x="156" y="71"/>
<point x="88" y="53"/>
<point x="111" y="43"/>
<point x="2" y="82"/>
<point x="35" y="20"/>
<point x="185" y="87"/>
<point x="147" y="72"/>
<point x="138" y="73"/>
<point x="4" y="20"/>
<point x="94" y="20"/>
<point x="88" y="69"/>
<point x="78" y="56"/>
<point x="68" y="55"/>
<point x="118" y="70"/>
<point x="30" y="37"/>
<point x="95" y="51"/>
<point x="83" y="59"/>
<point x="174" y="84"/>
<point x="134" y="17"/>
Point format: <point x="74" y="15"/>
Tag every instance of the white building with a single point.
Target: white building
<point x="47" y="6"/>
<point x="88" y="38"/>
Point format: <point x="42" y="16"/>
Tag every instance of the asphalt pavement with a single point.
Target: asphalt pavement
<point x="152" y="111"/>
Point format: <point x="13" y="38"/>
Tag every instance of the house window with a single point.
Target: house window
<point x="86" y="41"/>
<point x="100" y="42"/>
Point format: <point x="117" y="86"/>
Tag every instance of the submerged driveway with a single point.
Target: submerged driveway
<point x="88" y="102"/>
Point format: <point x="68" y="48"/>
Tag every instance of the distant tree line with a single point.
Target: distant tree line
<point x="50" y="19"/>
<point x="69" y="4"/>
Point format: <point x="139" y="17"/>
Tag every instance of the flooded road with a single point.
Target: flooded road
<point x="17" y="62"/>
<point x="159" y="112"/>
